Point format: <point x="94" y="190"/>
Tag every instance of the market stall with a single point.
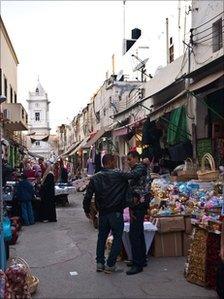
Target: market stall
<point x="189" y="219"/>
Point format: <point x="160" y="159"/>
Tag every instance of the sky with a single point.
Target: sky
<point x="69" y="45"/>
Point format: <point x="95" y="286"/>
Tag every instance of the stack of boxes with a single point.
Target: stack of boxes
<point x="173" y="236"/>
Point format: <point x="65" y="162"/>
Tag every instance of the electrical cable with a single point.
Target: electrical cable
<point x="208" y="21"/>
<point x="209" y="107"/>
<point x="182" y="64"/>
<point x="202" y="62"/>
<point x="201" y="39"/>
<point x="205" y="35"/>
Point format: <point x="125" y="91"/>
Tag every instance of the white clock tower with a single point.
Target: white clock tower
<point x="38" y="122"/>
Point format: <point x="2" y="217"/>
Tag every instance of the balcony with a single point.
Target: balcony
<point x="15" y="117"/>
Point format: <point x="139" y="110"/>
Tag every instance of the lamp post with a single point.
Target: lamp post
<point x="2" y="244"/>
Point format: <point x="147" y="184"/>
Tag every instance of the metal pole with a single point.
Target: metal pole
<point x="167" y="41"/>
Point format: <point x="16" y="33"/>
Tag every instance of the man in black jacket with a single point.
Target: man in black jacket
<point x="111" y="191"/>
<point x="140" y="191"/>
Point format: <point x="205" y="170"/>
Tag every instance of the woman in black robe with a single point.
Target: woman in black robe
<point x="47" y="194"/>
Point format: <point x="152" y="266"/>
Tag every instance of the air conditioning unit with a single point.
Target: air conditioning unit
<point x="6" y="114"/>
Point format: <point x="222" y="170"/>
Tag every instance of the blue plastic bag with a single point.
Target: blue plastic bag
<point x="7" y="229"/>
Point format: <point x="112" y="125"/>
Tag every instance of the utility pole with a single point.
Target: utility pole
<point x="189" y="98"/>
<point x="167" y="41"/>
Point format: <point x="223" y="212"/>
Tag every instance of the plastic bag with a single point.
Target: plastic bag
<point x="7" y="229"/>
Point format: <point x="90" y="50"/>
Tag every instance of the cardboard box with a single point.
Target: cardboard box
<point x="170" y="224"/>
<point x="168" y="244"/>
<point x="186" y="242"/>
<point x="188" y="225"/>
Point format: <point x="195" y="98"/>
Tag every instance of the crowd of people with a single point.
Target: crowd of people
<point x="35" y="180"/>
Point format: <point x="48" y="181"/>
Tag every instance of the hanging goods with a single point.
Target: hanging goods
<point x="208" y="174"/>
<point x="7" y="229"/>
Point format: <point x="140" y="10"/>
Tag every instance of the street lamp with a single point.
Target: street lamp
<point x="2" y="244"/>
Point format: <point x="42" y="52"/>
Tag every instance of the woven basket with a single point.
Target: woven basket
<point x="189" y="171"/>
<point x="207" y="175"/>
<point x="32" y="280"/>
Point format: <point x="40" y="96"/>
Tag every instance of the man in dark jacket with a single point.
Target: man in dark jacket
<point x="111" y="190"/>
<point x="140" y="192"/>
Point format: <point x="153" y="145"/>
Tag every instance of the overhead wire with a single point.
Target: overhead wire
<point x="202" y="41"/>
<point x="206" y="35"/>
<point x="208" y="20"/>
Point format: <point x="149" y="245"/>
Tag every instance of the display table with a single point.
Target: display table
<point x="64" y="190"/>
<point x="61" y="194"/>
<point x="149" y="232"/>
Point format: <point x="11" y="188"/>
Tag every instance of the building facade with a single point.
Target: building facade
<point x="14" y="117"/>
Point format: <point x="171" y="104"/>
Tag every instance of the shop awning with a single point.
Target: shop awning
<point x="73" y="146"/>
<point x="94" y="139"/>
<point x="207" y="80"/>
<point x="176" y="102"/>
<point x="80" y="146"/>
<point x="122" y="131"/>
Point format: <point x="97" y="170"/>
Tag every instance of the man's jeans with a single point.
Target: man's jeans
<point x="137" y="238"/>
<point x="113" y="222"/>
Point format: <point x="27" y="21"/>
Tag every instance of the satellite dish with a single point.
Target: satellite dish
<point x="120" y="75"/>
<point x="140" y="65"/>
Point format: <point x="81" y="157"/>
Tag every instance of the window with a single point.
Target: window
<point x="37" y="116"/>
<point x="5" y="87"/>
<point x="171" y="53"/>
<point x="15" y="97"/>
<point x="217" y="35"/>
<point x="36" y="105"/>
<point x="97" y="117"/>
<point x="37" y="143"/>
<point x="104" y="111"/>
<point x="11" y="94"/>
<point x="171" y="40"/>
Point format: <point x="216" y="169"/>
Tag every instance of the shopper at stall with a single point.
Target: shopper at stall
<point x="140" y="194"/>
<point x="25" y="195"/>
<point x="110" y="191"/>
<point x="47" y="194"/>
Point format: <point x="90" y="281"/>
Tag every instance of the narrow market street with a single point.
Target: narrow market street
<point x="53" y="250"/>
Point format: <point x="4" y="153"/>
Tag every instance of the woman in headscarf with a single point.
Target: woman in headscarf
<point x="47" y="194"/>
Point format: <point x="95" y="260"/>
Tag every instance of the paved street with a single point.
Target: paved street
<point x="55" y="249"/>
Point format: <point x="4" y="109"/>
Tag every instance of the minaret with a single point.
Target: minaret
<point x="38" y="121"/>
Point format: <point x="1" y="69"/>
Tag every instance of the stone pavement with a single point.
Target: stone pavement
<point x="53" y="250"/>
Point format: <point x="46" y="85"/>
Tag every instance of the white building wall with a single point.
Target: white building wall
<point x="204" y="14"/>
